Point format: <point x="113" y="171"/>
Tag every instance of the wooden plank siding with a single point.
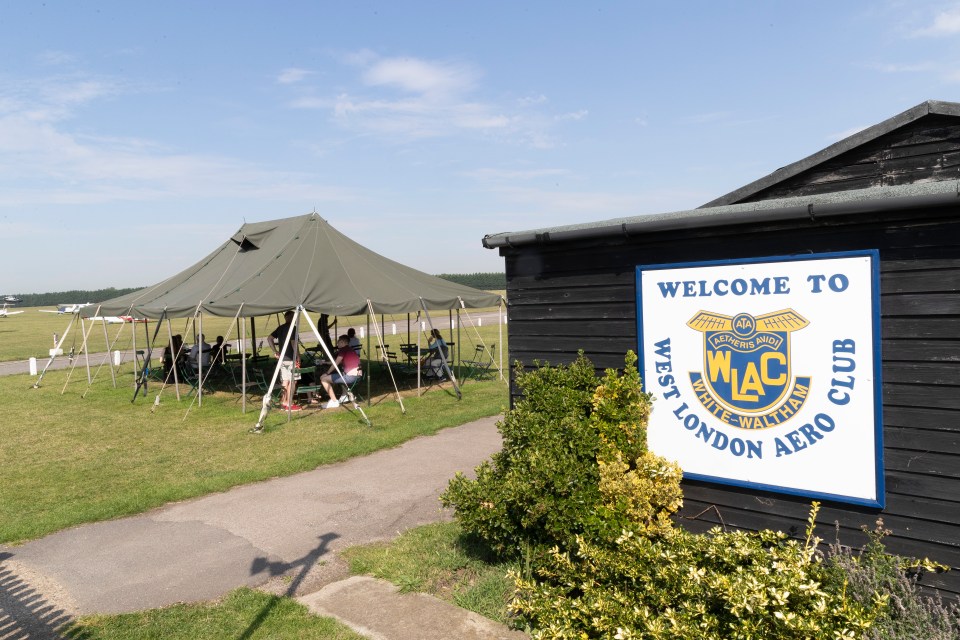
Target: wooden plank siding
<point x="567" y="296"/>
<point x="925" y="150"/>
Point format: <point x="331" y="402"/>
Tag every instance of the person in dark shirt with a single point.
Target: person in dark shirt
<point x="288" y="360"/>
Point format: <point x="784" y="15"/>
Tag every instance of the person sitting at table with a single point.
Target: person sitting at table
<point x="217" y="351"/>
<point x="174" y="350"/>
<point x="349" y="363"/>
<point x="432" y="363"/>
<point x="354" y="340"/>
<point x="200" y="354"/>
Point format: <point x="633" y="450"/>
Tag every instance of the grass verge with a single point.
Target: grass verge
<point x="440" y="560"/>
<point x="243" y="614"/>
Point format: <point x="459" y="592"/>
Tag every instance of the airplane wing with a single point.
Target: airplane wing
<point x="47" y="311"/>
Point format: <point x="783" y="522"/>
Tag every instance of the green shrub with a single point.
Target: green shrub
<point x="576" y="492"/>
<point x="677" y="585"/>
<point x="543" y="488"/>
<point x="911" y="612"/>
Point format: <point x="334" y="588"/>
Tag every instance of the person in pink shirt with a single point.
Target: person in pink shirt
<point x="349" y="363"/>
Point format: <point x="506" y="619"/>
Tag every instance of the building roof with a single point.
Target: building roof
<point x="930" y="107"/>
<point x="926" y="194"/>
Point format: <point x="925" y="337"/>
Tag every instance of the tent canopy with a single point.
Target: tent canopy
<point x="268" y="267"/>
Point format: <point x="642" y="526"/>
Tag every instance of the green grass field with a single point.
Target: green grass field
<point x="73" y="454"/>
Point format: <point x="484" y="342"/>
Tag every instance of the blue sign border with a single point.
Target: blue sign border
<point x="874" y="256"/>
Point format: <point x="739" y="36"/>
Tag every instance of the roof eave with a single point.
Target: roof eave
<point x="932" y="195"/>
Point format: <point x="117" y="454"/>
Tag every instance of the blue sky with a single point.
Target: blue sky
<point x="135" y="137"/>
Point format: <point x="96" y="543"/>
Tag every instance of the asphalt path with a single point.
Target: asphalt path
<point x="280" y="531"/>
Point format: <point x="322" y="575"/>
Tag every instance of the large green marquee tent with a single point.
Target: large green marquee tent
<point x="268" y="267"/>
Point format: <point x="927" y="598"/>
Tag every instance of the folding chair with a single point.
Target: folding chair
<point x="307" y="389"/>
<point x="187" y="375"/>
<point x="479" y="367"/>
<point x="349" y="394"/>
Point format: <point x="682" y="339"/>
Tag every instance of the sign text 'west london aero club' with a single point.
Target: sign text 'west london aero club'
<point x="766" y="372"/>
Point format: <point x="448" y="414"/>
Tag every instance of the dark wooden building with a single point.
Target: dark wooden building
<point x="895" y="188"/>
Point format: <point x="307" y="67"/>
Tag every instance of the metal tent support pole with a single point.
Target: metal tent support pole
<point x="56" y="348"/>
<point x="333" y="361"/>
<point x="176" y="356"/>
<point x="86" y="336"/>
<point x="386" y="361"/>
<point x="145" y="371"/>
<point x="148" y="350"/>
<point x="136" y="365"/>
<point x="199" y="342"/>
<point x="443" y="358"/>
<point x="369" y="314"/>
<point x="419" y="336"/>
<point x="243" y="363"/>
<point x="106" y="341"/>
<point x="265" y="406"/>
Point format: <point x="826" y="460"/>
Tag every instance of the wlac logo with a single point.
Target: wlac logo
<point x="747" y="380"/>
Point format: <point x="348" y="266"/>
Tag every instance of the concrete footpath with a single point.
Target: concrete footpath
<point x="281" y="535"/>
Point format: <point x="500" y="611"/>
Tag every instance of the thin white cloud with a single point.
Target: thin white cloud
<point x="532" y="100"/>
<point x="292" y="75"/>
<point x="421" y="76"/>
<point x="43" y="162"/>
<point x="52" y="99"/>
<point x="409" y="98"/>
<point x="945" y="23"/>
<point x="575" y="115"/>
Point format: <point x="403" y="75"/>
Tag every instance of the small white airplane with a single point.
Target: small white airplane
<point x="67" y="308"/>
<point x="4" y="312"/>
<point x="12" y="299"/>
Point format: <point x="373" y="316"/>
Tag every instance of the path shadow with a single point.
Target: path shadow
<point x="25" y="613"/>
<point x="303" y="565"/>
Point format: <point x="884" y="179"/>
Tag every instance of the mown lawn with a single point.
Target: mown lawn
<point x="72" y="454"/>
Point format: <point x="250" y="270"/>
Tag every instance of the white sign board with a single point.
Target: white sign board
<point x="766" y="372"/>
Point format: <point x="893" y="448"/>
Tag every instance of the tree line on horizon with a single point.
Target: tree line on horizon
<point x="487" y="281"/>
